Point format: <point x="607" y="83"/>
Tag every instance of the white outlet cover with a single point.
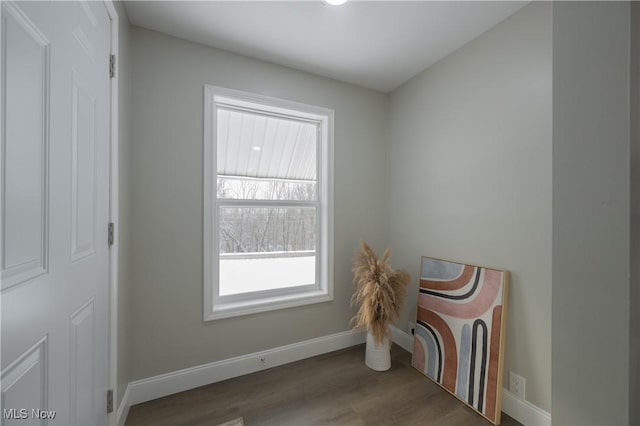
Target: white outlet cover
<point x="517" y="385"/>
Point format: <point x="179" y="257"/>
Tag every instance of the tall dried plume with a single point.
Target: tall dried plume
<point x="379" y="291"/>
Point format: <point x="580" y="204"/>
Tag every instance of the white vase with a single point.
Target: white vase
<point x="378" y="355"/>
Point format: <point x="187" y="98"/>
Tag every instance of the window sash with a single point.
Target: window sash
<point x="220" y="105"/>
<point x="216" y="307"/>
<point x="239" y="202"/>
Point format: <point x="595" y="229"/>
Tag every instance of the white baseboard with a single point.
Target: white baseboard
<point x="145" y="390"/>
<point x="521" y="410"/>
<point x="524" y="411"/>
<point x="402" y="339"/>
<point x="123" y="408"/>
<point x="167" y="384"/>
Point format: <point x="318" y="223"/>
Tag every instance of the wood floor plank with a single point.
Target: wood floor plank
<point x="331" y="389"/>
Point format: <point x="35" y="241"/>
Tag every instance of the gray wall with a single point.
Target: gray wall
<point x="168" y="77"/>
<point x="591" y="213"/>
<point x="470" y="176"/>
<point x="634" y="342"/>
<point x="125" y="206"/>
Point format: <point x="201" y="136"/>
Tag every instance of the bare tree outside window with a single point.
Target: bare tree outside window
<point x="266" y="229"/>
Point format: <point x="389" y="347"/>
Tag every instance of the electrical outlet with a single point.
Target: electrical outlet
<point x="411" y="328"/>
<point x="517" y="385"/>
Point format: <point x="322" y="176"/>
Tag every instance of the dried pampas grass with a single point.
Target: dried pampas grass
<point x="379" y="291"/>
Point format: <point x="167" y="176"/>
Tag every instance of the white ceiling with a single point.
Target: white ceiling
<point x="374" y="44"/>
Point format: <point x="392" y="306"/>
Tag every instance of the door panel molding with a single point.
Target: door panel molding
<point x="83" y="171"/>
<point x="25" y="148"/>
<point x="82" y="371"/>
<point x="26" y="378"/>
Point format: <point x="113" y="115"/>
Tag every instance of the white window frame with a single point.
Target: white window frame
<point x="216" y="306"/>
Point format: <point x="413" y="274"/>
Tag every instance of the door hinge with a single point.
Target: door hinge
<point x="110" y="234"/>
<point x="110" y="401"/>
<point x="112" y="66"/>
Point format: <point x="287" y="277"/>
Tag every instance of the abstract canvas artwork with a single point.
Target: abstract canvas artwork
<point x="460" y="329"/>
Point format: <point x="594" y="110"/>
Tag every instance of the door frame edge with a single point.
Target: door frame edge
<point x="113" y="217"/>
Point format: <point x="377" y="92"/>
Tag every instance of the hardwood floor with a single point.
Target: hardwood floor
<point x="330" y="389"/>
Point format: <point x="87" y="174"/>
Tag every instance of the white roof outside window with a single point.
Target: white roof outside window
<point x="251" y="144"/>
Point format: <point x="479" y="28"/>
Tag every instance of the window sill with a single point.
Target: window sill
<point x="247" y="307"/>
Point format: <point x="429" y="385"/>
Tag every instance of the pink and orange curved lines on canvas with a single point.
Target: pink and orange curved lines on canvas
<point x="459" y="334"/>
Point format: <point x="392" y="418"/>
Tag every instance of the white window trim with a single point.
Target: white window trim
<point x="280" y="298"/>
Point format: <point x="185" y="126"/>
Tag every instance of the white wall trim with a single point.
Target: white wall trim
<point x="520" y="409"/>
<point x="151" y="388"/>
<point x="123" y="408"/>
<point x="524" y="411"/>
<point x="402" y="339"/>
<point x="167" y="384"/>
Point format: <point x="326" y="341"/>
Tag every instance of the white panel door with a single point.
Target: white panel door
<point x="55" y="202"/>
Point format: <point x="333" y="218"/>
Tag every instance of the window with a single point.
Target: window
<point x="268" y="203"/>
